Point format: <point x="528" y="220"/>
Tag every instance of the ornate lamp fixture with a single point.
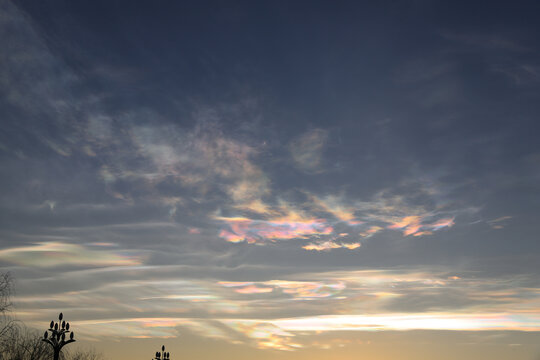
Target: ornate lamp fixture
<point x="59" y="332"/>
<point x="162" y="355"/>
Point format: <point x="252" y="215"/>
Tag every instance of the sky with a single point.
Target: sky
<point x="274" y="179"/>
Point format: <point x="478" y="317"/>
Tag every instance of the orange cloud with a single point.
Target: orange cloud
<point x="332" y="205"/>
<point x="265" y="334"/>
<point x="409" y="224"/>
<point x="231" y="237"/>
<point x="422" y="233"/>
<point x="351" y="246"/>
<point x="414" y="225"/>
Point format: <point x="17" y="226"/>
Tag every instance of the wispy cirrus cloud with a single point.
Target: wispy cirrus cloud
<point x="146" y="159"/>
<point x="308" y="148"/>
<point x="278" y="313"/>
<point x="289" y="334"/>
<point x="334" y="205"/>
<point x="53" y="254"/>
<point x="500" y="222"/>
<point x="416" y="225"/>
<point x="298" y="290"/>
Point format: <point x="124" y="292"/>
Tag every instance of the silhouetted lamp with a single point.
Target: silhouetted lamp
<point x="58" y="335"/>
<point x="162" y="355"/>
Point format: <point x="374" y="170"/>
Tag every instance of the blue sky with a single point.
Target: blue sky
<point x="274" y="178"/>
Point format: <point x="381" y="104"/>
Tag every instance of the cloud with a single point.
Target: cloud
<point x="199" y="161"/>
<point x="260" y="231"/>
<point x="246" y="287"/>
<point x="499" y="223"/>
<point x="329" y="245"/>
<point x="253" y="290"/>
<point x="265" y="334"/>
<point x="187" y="184"/>
<point x="307" y="150"/>
<point x="307" y="289"/>
<point x="320" y="216"/>
<point x="145" y="327"/>
<point x="298" y="290"/>
<point x="372" y="230"/>
<point x="282" y="313"/>
<point x="334" y="206"/>
<point x="435" y="321"/>
<point x="284" y="222"/>
<point x="416" y="225"/>
<point x="140" y="157"/>
<point x="289" y="334"/>
<point x="53" y="254"/>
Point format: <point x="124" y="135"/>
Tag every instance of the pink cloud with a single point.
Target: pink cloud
<point x="252" y="289"/>
<point x="257" y="231"/>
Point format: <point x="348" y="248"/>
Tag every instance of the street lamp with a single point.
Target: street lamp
<point x="57" y="339"/>
<point x="162" y="355"/>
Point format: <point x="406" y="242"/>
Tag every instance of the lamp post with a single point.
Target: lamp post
<point x="162" y="355"/>
<point x="57" y="339"/>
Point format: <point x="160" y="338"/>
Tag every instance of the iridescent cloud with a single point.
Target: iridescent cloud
<point x="50" y="254"/>
<point x="372" y="230"/>
<point x="308" y="289"/>
<point x="329" y="245"/>
<point x="416" y="225"/>
<point x="265" y="334"/>
<point x="319" y="216"/>
<point x="283" y="333"/>
<point x="337" y="301"/>
<point x="333" y="205"/>
<point x="252" y="289"/>
<point x="258" y="231"/>
<point x="299" y="290"/>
